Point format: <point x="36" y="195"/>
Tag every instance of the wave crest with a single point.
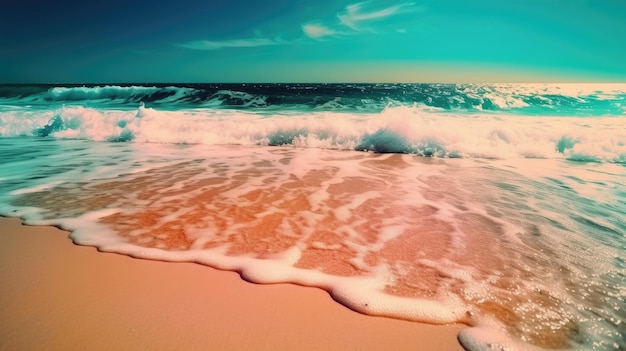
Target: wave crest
<point x="402" y="129"/>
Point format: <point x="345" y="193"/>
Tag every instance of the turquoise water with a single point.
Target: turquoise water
<point x="480" y="204"/>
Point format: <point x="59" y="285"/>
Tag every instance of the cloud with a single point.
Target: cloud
<point x="355" y="14"/>
<point x="354" y="19"/>
<point x="317" y="31"/>
<point x="232" y="43"/>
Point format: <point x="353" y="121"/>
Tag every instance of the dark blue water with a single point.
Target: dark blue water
<point x="529" y="99"/>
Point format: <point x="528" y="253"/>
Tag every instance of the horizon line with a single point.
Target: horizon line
<point x="307" y="82"/>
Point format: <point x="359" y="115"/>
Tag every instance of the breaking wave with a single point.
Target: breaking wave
<point x="401" y="129"/>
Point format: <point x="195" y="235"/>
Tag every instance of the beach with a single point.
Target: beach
<point x="356" y="208"/>
<point x="55" y="295"/>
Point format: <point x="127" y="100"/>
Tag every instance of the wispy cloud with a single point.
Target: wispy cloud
<point x="357" y="18"/>
<point x="356" y="14"/>
<point x="231" y="43"/>
<point x="354" y="19"/>
<point x="317" y="31"/>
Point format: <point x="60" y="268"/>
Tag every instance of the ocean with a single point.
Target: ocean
<point x="499" y="206"/>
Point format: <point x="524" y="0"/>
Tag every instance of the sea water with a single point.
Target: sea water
<point x="502" y="207"/>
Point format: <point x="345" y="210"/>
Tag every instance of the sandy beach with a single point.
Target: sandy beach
<point x="55" y="295"/>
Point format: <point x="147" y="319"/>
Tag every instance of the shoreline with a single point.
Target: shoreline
<point x="65" y="296"/>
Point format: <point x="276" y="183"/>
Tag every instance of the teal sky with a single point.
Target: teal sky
<point x="313" y="41"/>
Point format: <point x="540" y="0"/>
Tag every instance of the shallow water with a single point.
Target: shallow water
<point x="530" y="250"/>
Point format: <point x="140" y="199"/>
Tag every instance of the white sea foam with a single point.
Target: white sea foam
<point x="396" y="129"/>
<point x="391" y="218"/>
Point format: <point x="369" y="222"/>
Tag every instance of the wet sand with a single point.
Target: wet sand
<point x="58" y="296"/>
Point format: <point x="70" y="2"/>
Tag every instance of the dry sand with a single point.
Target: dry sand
<point x="58" y="296"/>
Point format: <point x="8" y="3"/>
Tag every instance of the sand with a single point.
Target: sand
<point x="55" y="295"/>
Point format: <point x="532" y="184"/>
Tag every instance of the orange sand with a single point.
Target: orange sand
<point x="58" y="296"/>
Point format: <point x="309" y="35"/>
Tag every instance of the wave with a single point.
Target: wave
<point x="525" y="99"/>
<point x="96" y="95"/>
<point x="399" y="129"/>
<point x="125" y="94"/>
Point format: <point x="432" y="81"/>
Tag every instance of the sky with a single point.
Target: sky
<point x="68" y="41"/>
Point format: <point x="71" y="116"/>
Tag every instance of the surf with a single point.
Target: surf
<point x="402" y="129"/>
<point x="496" y="206"/>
